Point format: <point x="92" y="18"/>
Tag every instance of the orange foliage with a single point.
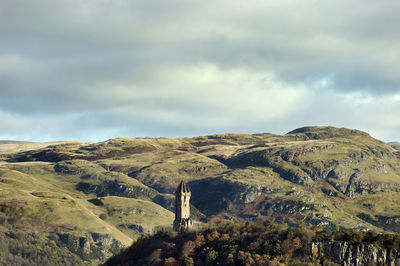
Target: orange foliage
<point x="213" y="235"/>
<point x="188" y="248"/>
<point x="171" y="261"/>
<point x="200" y="241"/>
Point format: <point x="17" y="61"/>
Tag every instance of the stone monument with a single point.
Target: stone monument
<point x="182" y="208"/>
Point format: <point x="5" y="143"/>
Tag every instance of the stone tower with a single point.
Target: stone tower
<point x="182" y="208"/>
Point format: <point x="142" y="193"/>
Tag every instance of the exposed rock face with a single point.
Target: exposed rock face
<point x="95" y="246"/>
<point x="390" y="223"/>
<point x="359" y="254"/>
<point x="329" y="192"/>
<point x="106" y="243"/>
<point x="137" y="228"/>
<point x="268" y="158"/>
<point x="362" y="187"/>
<point x="290" y="207"/>
<point x="290" y="166"/>
<point x="114" y="188"/>
<point x="76" y="167"/>
<point x="215" y="194"/>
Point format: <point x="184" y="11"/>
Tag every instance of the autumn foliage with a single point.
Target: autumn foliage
<point x="234" y="243"/>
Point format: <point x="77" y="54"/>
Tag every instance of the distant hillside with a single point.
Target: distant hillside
<point x="395" y="145"/>
<point x="14" y="142"/>
<point x="12" y="146"/>
<point x="92" y="199"/>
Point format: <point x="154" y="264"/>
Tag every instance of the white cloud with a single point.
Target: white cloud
<point x="204" y="96"/>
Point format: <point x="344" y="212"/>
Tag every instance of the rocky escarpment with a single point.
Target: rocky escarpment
<point x="289" y="207"/>
<point x="212" y="195"/>
<point x="389" y="223"/>
<point x="324" y="154"/>
<point x="306" y="172"/>
<point x="116" y="188"/>
<point x="346" y="254"/>
<point x="93" y="246"/>
<point x="362" y="187"/>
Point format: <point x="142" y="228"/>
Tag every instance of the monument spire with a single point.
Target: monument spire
<point x="182" y="207"/>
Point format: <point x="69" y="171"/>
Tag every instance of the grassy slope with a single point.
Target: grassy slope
<point x="44" y="197"/>
<point x="7" y="147"/>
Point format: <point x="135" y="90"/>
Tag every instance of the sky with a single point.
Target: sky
<point x="99" y="69"/>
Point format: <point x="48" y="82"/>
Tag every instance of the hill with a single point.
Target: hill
<point x="251" y="243"/>
<point x="92" y="199"/>
<point x="12" y="146"/>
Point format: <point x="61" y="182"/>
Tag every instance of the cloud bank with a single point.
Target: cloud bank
<point x="93" y="70"/>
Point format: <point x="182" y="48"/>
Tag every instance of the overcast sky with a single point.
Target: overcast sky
<point x="99" y="69"/>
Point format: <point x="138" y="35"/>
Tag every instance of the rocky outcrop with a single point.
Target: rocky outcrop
<point x="115" y="188"/>
<point x="268" y="158"/>
<point x="391" y="223"/>
<point x="77" y="167"/>
<point x="106" y="243"/>
<point x="329" y="192"/>
<point x="346" y="254"/>
<point x="212" y="195"/>
<point x="357" y="186"/>
<point x="196" y="169"/>
<point x="235" y="191"/>
<point x="93" y="246"/>
<point x="290" y="207"/>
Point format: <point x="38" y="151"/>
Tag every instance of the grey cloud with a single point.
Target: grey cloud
<point x="92" y="62"/>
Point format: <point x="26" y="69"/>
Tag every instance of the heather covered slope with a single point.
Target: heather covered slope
<point x="94" y="198"/>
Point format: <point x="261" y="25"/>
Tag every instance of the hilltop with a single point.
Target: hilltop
<point x="12" y="146"/>
<point x="252" y="243"/>
<point x="89" y="200"/>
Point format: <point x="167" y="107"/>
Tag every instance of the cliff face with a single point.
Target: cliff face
<point x="93" y="246"/>
<point x="346" y="254"/>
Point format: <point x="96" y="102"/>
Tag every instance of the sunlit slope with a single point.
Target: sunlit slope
<point x="10" y="146"/>
<point x="39" y="198"/>
<point x="325" y="176"/>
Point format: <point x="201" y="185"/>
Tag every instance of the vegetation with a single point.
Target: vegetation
<point x="250" y="243"/>
<point x="118" y="190"/>
<point x="23" y="244"/>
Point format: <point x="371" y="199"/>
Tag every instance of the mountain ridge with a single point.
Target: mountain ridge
<point x="324" y="176"/>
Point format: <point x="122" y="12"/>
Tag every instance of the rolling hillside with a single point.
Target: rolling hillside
<point x="90" y="199"/>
